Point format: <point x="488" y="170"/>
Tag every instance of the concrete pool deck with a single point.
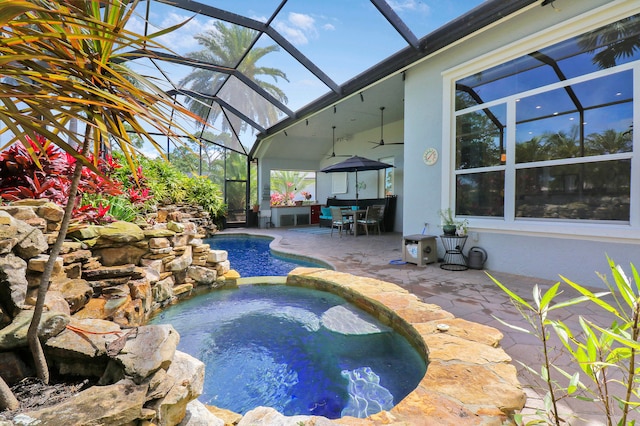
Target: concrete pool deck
<point x="470" y="295"/>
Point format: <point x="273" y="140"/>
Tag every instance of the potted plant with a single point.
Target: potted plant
<point x="450" y="226"/>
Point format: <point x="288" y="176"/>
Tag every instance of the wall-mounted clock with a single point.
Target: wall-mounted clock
<point x="430" y="156"/>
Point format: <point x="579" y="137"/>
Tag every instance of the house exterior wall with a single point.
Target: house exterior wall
<point x="533" y="248"/>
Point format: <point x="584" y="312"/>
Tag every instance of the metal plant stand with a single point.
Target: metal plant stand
<point x="454" y="259"/>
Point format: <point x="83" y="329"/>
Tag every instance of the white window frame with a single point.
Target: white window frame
<point x="508" y="224"/>
<point x="382" y="177"/>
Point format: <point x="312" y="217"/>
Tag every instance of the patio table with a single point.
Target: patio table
<point x="354" y="215"/>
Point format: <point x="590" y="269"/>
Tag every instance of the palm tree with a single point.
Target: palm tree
<point x="225" y="45"/>
<point x="613" y="43"/>
<point x="562" y="144"/>
<point x="608" y="142"/>
<point x="531" y="150"/>
<point x="62" y="60"/>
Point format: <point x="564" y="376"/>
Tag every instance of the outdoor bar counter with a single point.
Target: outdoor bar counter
<point x="306" y="214"/>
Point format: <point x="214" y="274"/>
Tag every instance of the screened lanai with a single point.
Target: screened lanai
<point x="291" y="69"/>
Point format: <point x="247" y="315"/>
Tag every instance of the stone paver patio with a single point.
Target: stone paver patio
<point x="470" y="295"/>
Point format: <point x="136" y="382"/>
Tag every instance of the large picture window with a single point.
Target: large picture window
<point x="553" y="130"/>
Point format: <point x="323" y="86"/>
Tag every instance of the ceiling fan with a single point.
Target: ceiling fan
<point x="333" y="146"/>
<point x="382" y="142"/>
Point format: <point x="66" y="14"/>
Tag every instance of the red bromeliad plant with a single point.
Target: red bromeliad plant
<point x="44" y="171"/>
<point x="139" y="196"/>
<point x="94" y="183"/>
<point x="94" y="215"/>
<point x="37" y="172"/>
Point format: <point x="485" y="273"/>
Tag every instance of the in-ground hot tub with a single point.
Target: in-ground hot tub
<point x="298" y="350"/>
<point x="469" y="381"/>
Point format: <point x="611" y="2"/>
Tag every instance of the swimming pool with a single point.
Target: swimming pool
<point x="297" y="350"/>
<point x="251" y="256"/>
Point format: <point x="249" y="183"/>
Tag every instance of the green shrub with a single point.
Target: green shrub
<point x="202" y="191"/>
<point x="169" y="185"/>
<point x="604" y="369"/>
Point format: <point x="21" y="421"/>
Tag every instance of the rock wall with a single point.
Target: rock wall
<point x="105" y="284"/>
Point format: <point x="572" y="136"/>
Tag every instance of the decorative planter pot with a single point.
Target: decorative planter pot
<point x="298" y="203"/>
<point x="449" y="229"/>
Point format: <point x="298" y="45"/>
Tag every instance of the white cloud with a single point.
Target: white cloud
<point x="328" y="27"/>
<point x="260" y="18"/>
<point x="294" y="35"/>
<point x="181" y="40"/>
<point x="302" y="21"/>
<point x="298" y="28"/>
<point x="409" y="6"/>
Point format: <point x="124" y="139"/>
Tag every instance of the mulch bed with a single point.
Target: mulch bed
<point x="33" y="394"/>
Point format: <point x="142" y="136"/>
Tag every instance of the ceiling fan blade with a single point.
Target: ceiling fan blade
<point x="383" y="143"/>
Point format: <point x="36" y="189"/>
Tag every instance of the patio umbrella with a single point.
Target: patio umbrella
<point x="356" y="164"/>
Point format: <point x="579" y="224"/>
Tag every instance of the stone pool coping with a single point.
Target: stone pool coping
<point x="469" y="379"/>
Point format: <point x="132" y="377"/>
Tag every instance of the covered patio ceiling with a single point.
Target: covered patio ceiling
<point x="326" y="64"/>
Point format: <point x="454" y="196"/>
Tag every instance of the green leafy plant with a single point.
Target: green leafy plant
<point x="202" y="191"/>
<point x="603" y="358"/>
<point x="167" y="183"/>
<point x="162" y="182"/>
<point x="448" y="220"/>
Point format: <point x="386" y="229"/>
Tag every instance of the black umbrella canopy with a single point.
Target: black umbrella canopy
<point x="356" y="164"/>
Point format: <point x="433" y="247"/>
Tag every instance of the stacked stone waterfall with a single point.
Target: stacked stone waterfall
<point x="107" y="280"/>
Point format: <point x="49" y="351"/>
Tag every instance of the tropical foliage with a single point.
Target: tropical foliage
<point x="46" y="173"/>
<point x="286" y="185"/>
<point x="225" y="45"/>
<point x="169" y="185"/>
<point x="64" y="63"/>
<point x="604" y="358"/>
<point x="114" y="194"/>
<point x="613" y="43"/>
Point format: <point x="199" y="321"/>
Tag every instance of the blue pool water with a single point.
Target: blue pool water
<point x="297" y="350"/>
<point x="251" y="256"/>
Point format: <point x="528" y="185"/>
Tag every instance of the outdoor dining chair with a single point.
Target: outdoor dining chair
<point x="337" y="220"/>
<point x="373" y="217"/>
